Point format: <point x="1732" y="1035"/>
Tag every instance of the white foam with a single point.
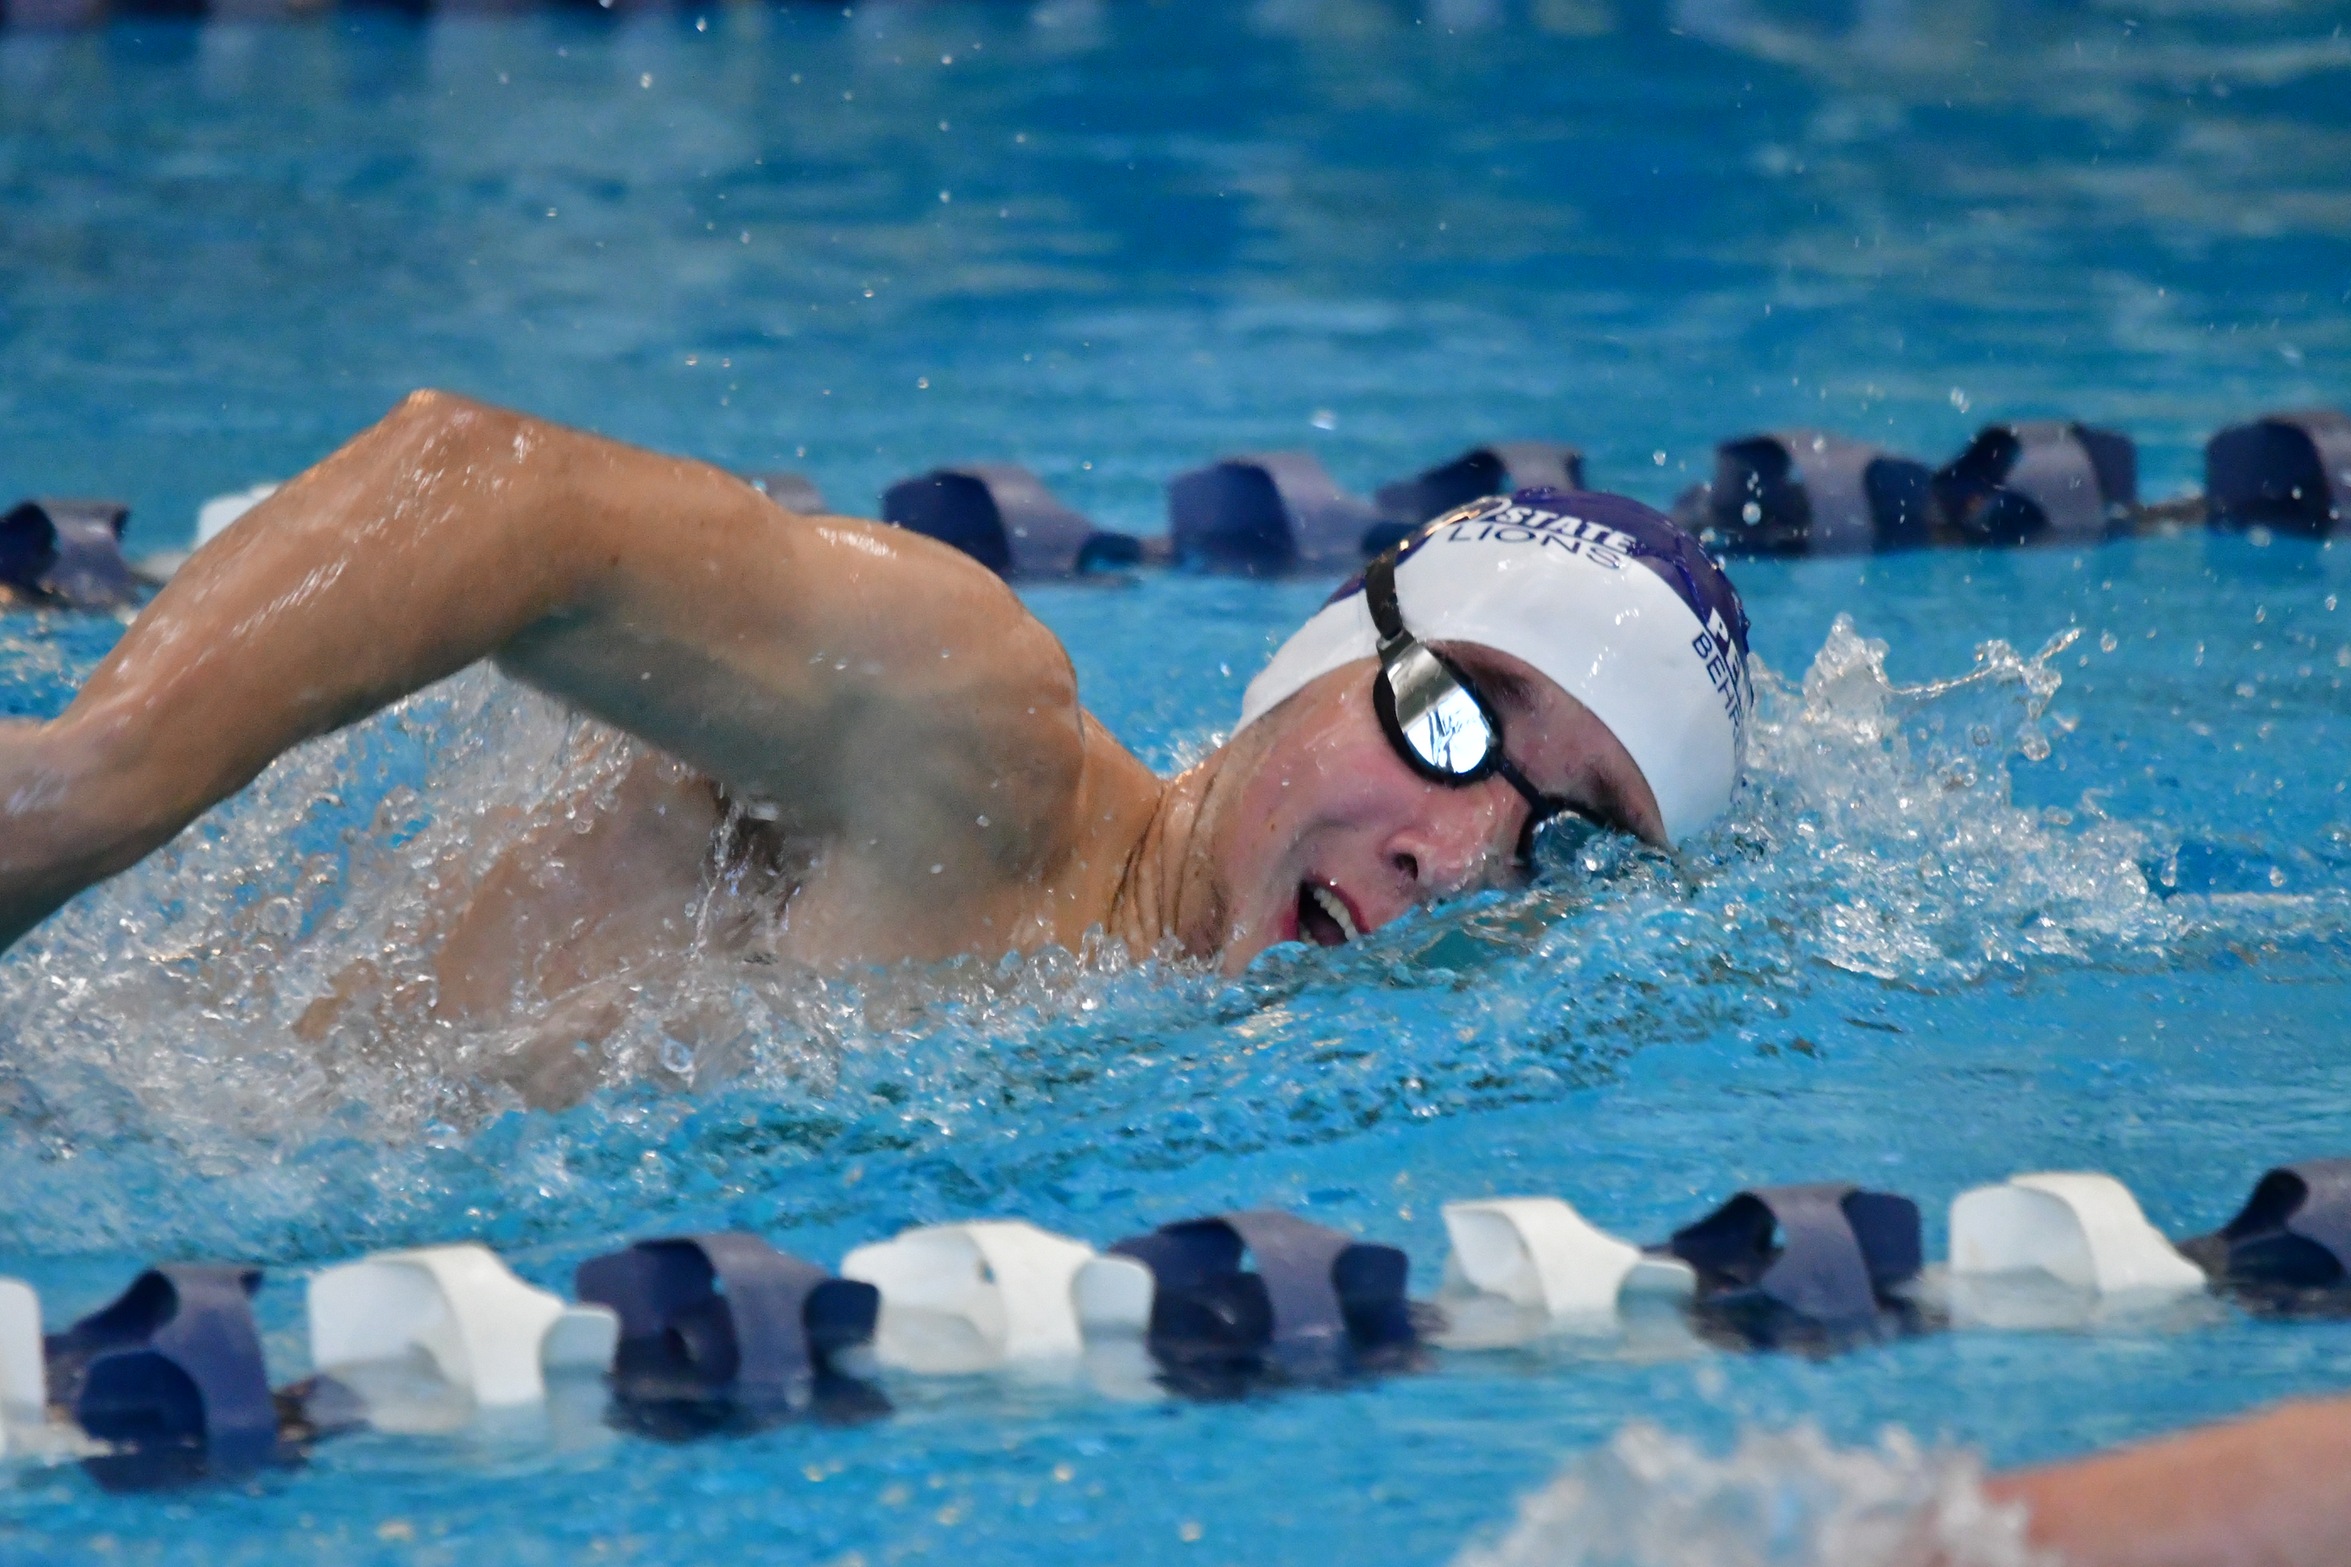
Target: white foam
<point x="1778" y="1499"/>
<point x="1897" y="801"/>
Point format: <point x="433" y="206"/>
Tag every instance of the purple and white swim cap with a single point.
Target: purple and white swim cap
<point x="1606" y="597"/>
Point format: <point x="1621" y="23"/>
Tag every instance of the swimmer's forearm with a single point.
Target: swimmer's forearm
<point x="2274" y="1489"/>
<point x="802" y="659"/>
<point x="409" y="553"/>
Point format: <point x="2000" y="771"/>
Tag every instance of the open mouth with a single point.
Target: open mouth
<point x="1324" y="917"/>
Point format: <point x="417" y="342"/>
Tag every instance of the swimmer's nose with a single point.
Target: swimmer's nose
<point x="1451" y="849"/>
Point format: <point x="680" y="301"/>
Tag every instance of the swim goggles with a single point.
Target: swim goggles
<point x="1435" y="717"/>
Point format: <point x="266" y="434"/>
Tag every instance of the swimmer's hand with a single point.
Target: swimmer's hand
<point x="51" y="843"/>
<point x="2274" y="1489"/>
<point x="885" y="692"/>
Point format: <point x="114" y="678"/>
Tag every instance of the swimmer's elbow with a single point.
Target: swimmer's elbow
<point x="448" y="424"/>
<point x="490" y="462"/>
<point x="422" y="411"/>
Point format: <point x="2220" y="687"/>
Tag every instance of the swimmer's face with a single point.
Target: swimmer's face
<point x="1324" y="833"/>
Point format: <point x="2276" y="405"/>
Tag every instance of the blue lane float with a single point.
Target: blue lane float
<point x="170" y="1375"/>
<point x="1002" y="516"/>
<point x="2039" y="482"/>
<point x="1317" y="1303"/>
<point x="2290" y="472"/>
<point x="696" y="1334"/>
<point x="1500" y="468"/>
<point x="1809" y="492"/>
<point x="67" y="554"/>
<point x="1798" y="1266"/>
<point x="1266" y="514"/>
<point x="726" y="1320"/>
<point x="2289" y="1248"/>
<point x="1798" y="492"/>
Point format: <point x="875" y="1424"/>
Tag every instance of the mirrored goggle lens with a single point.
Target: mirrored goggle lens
<point x="1441" y="723"/>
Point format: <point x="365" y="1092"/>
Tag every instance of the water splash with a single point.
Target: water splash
<point x="1778" y="1499"/>
<point x="255" y="1003"/>
<point x="1888" y="812"/>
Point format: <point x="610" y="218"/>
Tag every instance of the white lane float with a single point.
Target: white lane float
<point x="24" y="1379"/>
<point x="2080" y="1231"/>
<point x="488" y="1335"/>
<point x="1521" y="1266"/>
<point x="215" y="515"/>
<point x="968" y="1297"/>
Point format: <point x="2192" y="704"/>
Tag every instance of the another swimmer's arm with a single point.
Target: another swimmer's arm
<point x="2273" y="1489"/>
<point x="812" y="661"/>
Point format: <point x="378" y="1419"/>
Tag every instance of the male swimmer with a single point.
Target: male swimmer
<point x="908" y="734"/>
<point x="913" y="740"/>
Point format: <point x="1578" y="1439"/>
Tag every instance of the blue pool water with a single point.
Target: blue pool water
<point x="2084" y="909"/>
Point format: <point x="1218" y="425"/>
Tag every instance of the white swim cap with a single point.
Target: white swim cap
<point x="1607" y="598"/>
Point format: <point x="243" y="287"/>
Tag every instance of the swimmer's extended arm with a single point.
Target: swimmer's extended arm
<point x="2274" y="1489"/>
<point x="858" y="676"/>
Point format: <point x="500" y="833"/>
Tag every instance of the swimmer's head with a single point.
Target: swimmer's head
<point x="1612" y="650"/>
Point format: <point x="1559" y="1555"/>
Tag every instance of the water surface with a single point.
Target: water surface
<point x="2082" y="906"/>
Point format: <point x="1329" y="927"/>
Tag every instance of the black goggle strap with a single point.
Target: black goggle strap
<point x="1542" y="809"/>
<point x="1379" y="596"/>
